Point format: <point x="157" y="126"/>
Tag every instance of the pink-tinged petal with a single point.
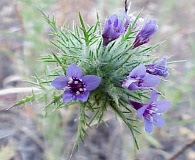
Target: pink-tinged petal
<point x="60" y="82"/>
<point x="151" y="80"/>
<point x="67" y="96"/>
<point x="91" y="82"/>
<point x="148" y="125"/>
<point x="127" y="82"/>
<point x="83" y="97"/>
<point x="141" y="111"/>
<point x="162" y="106"/>
<point x="139" y="71"/>
<point x="158" y="120"/>
<point x="154" y="96"/>
<point x="74" y="71"/>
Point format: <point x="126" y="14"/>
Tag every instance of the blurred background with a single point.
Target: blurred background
<point x="29" y="133"/>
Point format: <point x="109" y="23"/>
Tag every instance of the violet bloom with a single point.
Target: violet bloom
<point x="145" y="33"/>
<point x="77" y="86"/>
<point x="126" y="19"/>
<point x="113" y="28"/>
<point x="158" y="68"/>
<point x="138" y="79"/>
<point x="151" y="111"/>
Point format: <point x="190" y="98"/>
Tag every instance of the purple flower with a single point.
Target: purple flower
<point x="127" y="20"/>
<point x="145" y="33"/>
<point x="151" y="111"/>
<point x="77" y="86"/>
<point x="113" y="28"/>
<point x="158" y="68"/>
<point x="138" y="79"/>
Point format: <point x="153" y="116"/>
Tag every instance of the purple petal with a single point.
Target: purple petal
<point x="120" y="26"/>
<point x="146" y="32"/>
<point x="139" y="71"/>
<point x="158" y="120"/>
<point x="116" y="23"/>
<point x="67" y="96"/>
<point x="113" y="18"/>
<point x="91" y="81"/>
<point x="162" y="106"/>
<point x="141" y="111"/>
<point x="148" y="125"/>
<point x="150" y="28"/>
<point x="127" y="82"/>
<point x="83" y="97"/>
<point x="158" y="68"/>
<point x="141" y="86"/>
<point x="154" y="96"/>
<point x="112" y="34"/>
<point x="60" y="82"/>
<point x="74" y="71"/>
<point x="113" y="28"/>
<point x="133" y="87"/>
<point x="151" y="80"/>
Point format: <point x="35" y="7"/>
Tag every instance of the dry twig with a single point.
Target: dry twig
<point x="179" y="152"/>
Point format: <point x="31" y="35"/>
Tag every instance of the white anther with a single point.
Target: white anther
<point x="149" y="117"/>
<point x="151" y="111"/>
<point x="154" y="109"/>
<point x="81" y="89"/>
<point x="67" y="87"/>
<point x="76" y="82"/>
<point x="70" y="80"/>
<point x="77" y="93"/>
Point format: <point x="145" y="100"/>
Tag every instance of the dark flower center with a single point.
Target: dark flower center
<point x="148" y="114"/>
<point x="76" y="86"/>
<point x="140" y="82"/>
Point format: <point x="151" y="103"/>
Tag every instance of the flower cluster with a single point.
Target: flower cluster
<point x="105" y="67"/>
<point x="115" y="27"/>
<point x="142" y="77"/>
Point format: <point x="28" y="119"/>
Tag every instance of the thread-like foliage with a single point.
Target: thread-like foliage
<point x="83" y="46"/>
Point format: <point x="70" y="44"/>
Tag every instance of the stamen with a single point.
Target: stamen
<point x="80" y="89"/>
<point x="150" y="118"/>
<point x="151" y="111"/>
<point x="77" y="92"/>
<point x="70" y="81"/>
<point x="67" y="87"/>
<point x="76" y="82"/>
<point x="154" y="109"/>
